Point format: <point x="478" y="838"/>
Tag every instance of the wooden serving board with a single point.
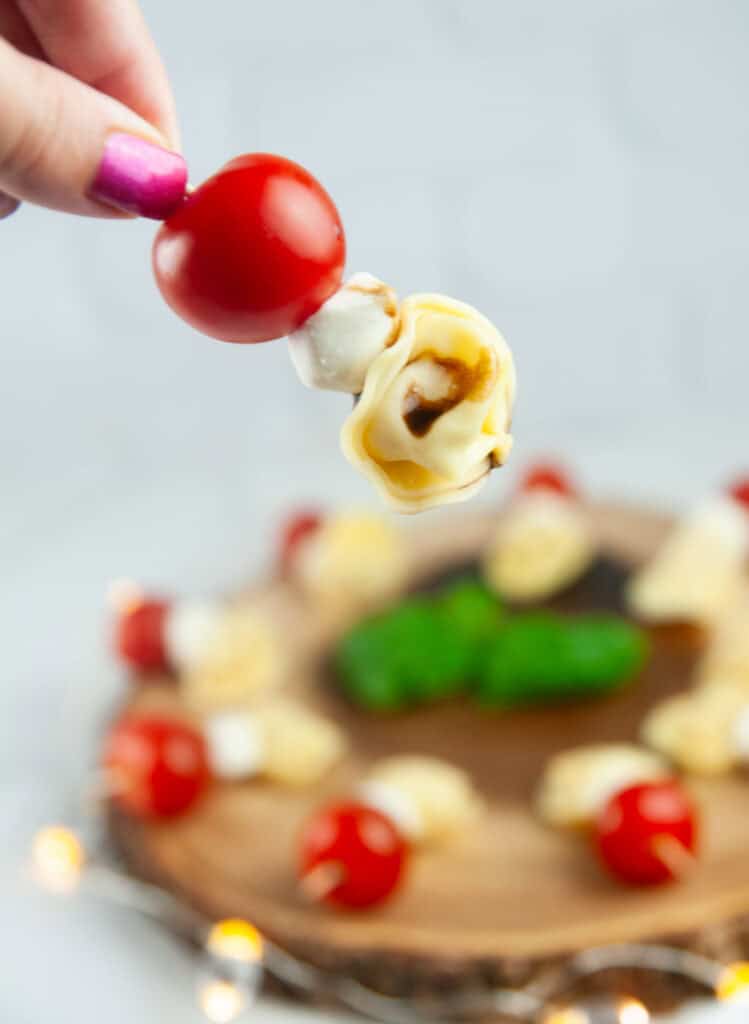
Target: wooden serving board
<point x="511" y="897"/>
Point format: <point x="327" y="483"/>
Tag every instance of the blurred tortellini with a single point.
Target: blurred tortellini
<point x="699" y="569"/>
<point x="244" y="660"/>
<point x="543" y="543"/>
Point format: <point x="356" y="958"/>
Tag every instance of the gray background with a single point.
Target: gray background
<point x="576" y="170"/>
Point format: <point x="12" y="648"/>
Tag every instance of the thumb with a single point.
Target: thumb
<point x="69" y="147"/>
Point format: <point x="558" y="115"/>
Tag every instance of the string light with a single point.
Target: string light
<point x="235" y="939"/>
<point x="236" y="953"/>
<point x="221" y="1001"/>
<point x="632" y="1011"/>
<point x="601" y="1011"/>
<point x="733" y="983"/>
<point x="570" y="1015"/>
<point x="57" y="858"/>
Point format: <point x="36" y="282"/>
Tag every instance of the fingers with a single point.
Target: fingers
<point x="69" y="147"/>
<point x="107" y="46"/>
<point x="8" y="205"/>
<point x="15" y="28"/>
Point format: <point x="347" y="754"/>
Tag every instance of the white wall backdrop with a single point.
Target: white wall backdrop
<point x="576" y="170"/>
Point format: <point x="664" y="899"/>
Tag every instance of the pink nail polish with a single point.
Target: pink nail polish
<point x="136" y="176"/>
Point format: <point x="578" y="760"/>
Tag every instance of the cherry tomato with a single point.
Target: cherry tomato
<point x="365" y="852"/>
<point x="739" y="491"/>
<point x="253" y="252"/>
<point x="295" y="531"/>
<point x="158" y="766"/>
<point x="647" y="834"/>
<point x="140" y="635"/>
<point x="546" y="477"/>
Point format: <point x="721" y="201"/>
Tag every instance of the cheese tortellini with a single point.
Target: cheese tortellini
<point x="543" y="544"/>
<point x="698" y="571"/>
<point x="430" y="799"/>
<point x="434" y="416"/>
<point x="434" y="382"/>
<point x="577" y="783"/>
<point x="355" y="557"/>
<point x="244" y="660"/>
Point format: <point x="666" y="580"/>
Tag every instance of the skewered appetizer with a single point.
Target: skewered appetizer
<point x="726" y="659"/>
<point x="703" y="732"/>
<point x="706" y="729"/>
<point x="544" y="542"/>
<point x="642" y="823"/>
<point x="225" y="653"/>
<point x="280" y="740"/>
<point x="699" y="569"/>
<point x="257" y="252"/>
<point x="354" y="854"/>
<point x="159" y="766"/>
<point x="347" y="558"/>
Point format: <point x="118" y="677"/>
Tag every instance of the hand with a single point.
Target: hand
<point x="87" y="119"/>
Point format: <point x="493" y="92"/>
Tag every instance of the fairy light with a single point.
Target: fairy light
<point x="632" y="1011"/>
<point x="603" y="1011"/>
<point x="235" y="949"/>
<point x="57" y="858"/>
<point x="733" y="984"/>
<point x="570" y="1015"/>
<point x="221" y="1001"/>
<point x="235" y="939"/>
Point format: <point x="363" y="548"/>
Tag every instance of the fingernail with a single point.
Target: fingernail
<point x="138" y="177"/>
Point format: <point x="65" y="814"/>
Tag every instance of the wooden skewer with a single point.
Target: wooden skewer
<point x="674" y="855"/>
<point x="321" y="880"/>
<point x="102" y="786"/>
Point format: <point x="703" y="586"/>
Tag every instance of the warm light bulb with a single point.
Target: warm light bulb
<point x="57" y="858"/>
<point x="733" y="984"/>
<point x="570" y="1015"/>
<point x="631" y="1011"/>
<point x="221" y="1001"/>
<point x="625" y="1011"/>
<point x="235" y="939"/>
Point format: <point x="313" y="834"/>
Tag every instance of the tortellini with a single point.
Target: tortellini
<point x="543" y="544"/>
<point x="434" y="385"/>
<point x="434" y="416"/>
<point x="578" y="783"/>
<point x="698" y="570"/>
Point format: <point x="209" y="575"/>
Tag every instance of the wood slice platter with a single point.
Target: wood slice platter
<point x="509" y="899"/>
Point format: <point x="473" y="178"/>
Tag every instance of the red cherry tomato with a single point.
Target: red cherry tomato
<point x="647" y="834"/>
<point x="140" y="635"/>
<point x="739" y="491"/>
<point x="546" y="477"/>
<point x="253" y="252"/>
<point x="365" y="852"/>
<point x="295" y="531"/>
<point x="159" y="767"/>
